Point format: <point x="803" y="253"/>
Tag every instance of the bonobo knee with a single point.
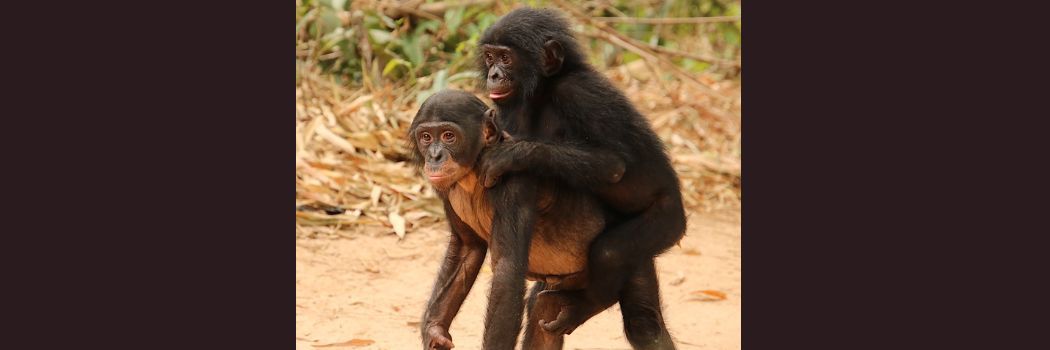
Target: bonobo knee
<point x="672" y="213"/>
<point x="605" y="254"/>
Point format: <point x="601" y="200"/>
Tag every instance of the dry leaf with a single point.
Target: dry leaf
<point x="708" y="295"/>
<point x="399" y="224"/>
<point x="678" y="280"/>
<point x="416" y="215"/>
<point x="334" y="139"/>
<point x="351" y="342"/>
<point x="376" y="191"/>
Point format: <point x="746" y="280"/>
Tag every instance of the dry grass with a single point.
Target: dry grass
<point x="351" y="154"/>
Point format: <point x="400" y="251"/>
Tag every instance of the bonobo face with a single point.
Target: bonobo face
<point x="444" y="146"/>
<point x="447" y="137"/>
<point x="499" y="63"/>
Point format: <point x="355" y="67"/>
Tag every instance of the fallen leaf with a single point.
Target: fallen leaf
<point x="351" y="342"/>
<point x="413" y="323"/>
<point x="691" y="251"/>
<point x="399" y="224"/>
<point x="708" y="295"/>
<point x="678" y="280"/>
<point x="376" y="191"/>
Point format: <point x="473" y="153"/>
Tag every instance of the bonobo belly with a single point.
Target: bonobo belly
<point x="564" y="229"/>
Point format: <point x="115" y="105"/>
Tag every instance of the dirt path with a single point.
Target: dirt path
<point x="368" y="292"/>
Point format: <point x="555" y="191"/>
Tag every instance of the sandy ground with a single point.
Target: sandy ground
<point x="369" y="291"/>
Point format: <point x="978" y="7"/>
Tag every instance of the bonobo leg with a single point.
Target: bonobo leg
<point x="538" y="309"/>
<point x="619" y="249"/>
<point x="459" y="269"/>
<point x="514" y="216"/>
<point x="643" y="322"/>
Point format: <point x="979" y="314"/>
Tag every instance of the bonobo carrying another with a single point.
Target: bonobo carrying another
<point x="571" y="125"/>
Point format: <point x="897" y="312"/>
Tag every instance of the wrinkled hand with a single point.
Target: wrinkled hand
<point x="437" y="338"/>
<point x="501" y="159"/>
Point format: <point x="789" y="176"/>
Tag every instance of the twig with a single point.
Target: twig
<point x="669" y="20"/>
<point x="416" y="12"/>
<point x="439" y="8"/>
<point x="694" y="56"/>
<point x="434" y="11"/>
<point x="648" y="58"/>
<point x="618" y="39"/>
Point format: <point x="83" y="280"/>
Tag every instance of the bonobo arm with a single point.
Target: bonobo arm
<point x="578" y="166"/>
<point x="514" y="208"/>
<point x="463" y="260"/>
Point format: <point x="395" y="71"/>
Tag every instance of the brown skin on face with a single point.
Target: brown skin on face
<point x="499" y="59"/>
<point x="442" y="146"/>
<point x="444" y="174"/>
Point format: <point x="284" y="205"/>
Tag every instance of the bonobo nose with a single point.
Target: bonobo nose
<point x="494" y="75"/>
<point x="437" y="156"/>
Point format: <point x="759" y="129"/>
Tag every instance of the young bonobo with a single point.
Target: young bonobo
<point x="572" y="124"/>
<point x="449" y="133"/>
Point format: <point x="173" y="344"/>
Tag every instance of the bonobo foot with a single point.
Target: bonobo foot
<point x="574" y="310"/>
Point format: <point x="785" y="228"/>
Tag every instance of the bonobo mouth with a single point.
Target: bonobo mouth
<point x="497" y="94"/>
<point x="438" y="177"/>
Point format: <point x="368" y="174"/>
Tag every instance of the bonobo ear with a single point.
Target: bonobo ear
<point x="489" y="131"/>
<point x="553" y="55"/>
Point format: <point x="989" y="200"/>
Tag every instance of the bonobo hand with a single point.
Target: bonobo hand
<point x="437" y="338"/>
<point x="501" y="159"/>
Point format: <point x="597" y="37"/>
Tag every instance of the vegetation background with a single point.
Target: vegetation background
<point x="363" y="67"/>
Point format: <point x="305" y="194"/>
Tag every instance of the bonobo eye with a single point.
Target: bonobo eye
<point x="505" y="59"/>
<point x="488" y="58"/>
<point x="424" y="137"/>
<point x="448" y="137"/>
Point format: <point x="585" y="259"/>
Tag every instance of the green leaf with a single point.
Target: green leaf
<point x="439" y="80"/>
<point x="731" y="37"/>
<point x="422" y="28"/>
<point x="393" y="64"/>
<point x="380" y="36"/>
<point x="303" y="21"/>
<point x="329" y="21"/>
<point x="453" y="18"/>
<point x="412" y="48"/>
<point x="387" y="21"/>
<point x="470" y="74"/>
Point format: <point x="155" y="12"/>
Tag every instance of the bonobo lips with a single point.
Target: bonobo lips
<point x="498" y="94"/>
<point x="437" y="177"/>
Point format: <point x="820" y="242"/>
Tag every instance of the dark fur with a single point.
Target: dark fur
<point x="572" y="125"/>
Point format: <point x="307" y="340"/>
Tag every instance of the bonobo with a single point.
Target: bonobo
<point x="448" y="134"/>
<point x="572" y="126"/>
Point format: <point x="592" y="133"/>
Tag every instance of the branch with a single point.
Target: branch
<point x="671" y="20"/>
<point x="614" y="37"/>
<point x="399" y="8"/>
<point x="694" y="56"/>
